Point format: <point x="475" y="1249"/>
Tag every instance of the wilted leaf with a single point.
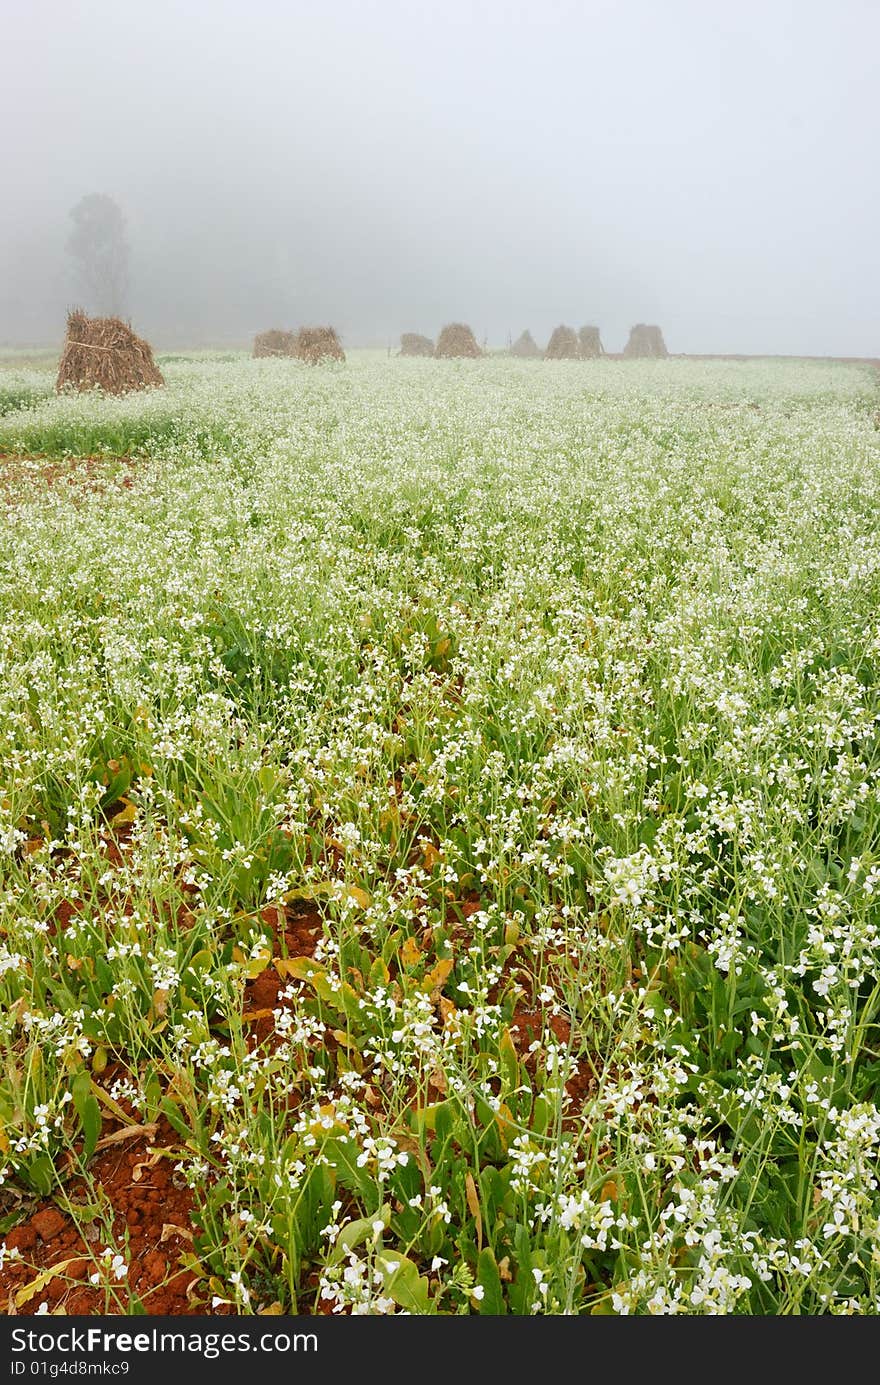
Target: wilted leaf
<point x="434" y="980"/>
<point x="447" y="1008"/>
<point x="410" y="953"/>
<point x="359" y="896"/>
<point x="299" y="968"/>
<point x="126" y="815"/>
<point x="169" y="1230"/>
<point x="36" y="1286"/>
<point x="430" y="854"/>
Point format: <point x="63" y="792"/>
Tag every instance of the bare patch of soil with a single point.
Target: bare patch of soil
<point x="295" y="934"/>
<point x="151" y="1213"/>
<point x="527" y="1028"/>
<point x="20" y="474"/>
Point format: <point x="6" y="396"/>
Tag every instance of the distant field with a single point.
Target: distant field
<point x="441" y="838"/>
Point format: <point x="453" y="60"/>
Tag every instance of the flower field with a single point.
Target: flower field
<point x="440" y="839"/>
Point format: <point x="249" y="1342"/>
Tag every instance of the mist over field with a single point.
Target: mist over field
<point x="388" y="167"/>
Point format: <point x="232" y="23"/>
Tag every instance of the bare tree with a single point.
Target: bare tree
<point x="99" y="249"/>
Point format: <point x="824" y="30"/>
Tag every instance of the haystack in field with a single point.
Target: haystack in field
<point x="645" y="340"/>
<point x="525" y="345"/>
<point x="457" y="339"/>
<point x="316" y="344"/>
<point x="563" y="345"/>
<point x="104" y="353"/>
<point x="274" y="343"/>
<point x="590" y="343"/>
<point x="413" y="344"/>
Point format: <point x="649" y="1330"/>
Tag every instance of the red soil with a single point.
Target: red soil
<point x="18" y="475"/>
<point x="149" y="1211"/>
<point x="294" y="935"/>
<point x="526" y="1028"/>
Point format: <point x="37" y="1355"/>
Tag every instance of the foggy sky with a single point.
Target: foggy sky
<point x="391" y="165"/>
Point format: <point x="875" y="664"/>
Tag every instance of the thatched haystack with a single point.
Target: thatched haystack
<point x="590" y="343"/>
<point x="457" y="339"/>
<point x="316" y="344"/>
<point x="413" y="344"/>
<point x="563" y="345"/>
<point x="645" y="340"/>
<point x="275" y="343"/>
<point x="104" y="353"/>
<point x="525" y="346"/>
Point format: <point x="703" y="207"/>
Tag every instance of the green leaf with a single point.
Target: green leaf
<point x="342" y="1154"/>
<point x="354" y="1233"/>
<point x="492" y="1303"/>
<point x="172" y="1113"/>
<point x="89" y="1111"/>
<point x="39" y="1174"/>
<point x="541" y="1114"/>
<point x="403" y="1283"/>
<point x="509" y="1060"/>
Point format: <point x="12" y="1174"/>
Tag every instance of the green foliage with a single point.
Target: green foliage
<point x="445" y="806"/>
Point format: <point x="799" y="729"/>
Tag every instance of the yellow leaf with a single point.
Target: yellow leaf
<point x="506" y="1124"/>
<point x="431" y="854"/>
<point x="410" y="953"/>
<point x="447" y="1009"/>
<point x="113" y="1106"/>
<point x="99" y="1060"/>
<point x="300" y="968"/>
<point x="322" y="888"/>
<point x="359" y="896"/>
<point x="252" y="967"/>
<point x="435" y="979"/>
<point x="603" y="1309"/>
<point x="36" y="1286"/>
<point x="328" y="1123"/>
<point x="609" y="1191"/>
<point x="125" y="815"/>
